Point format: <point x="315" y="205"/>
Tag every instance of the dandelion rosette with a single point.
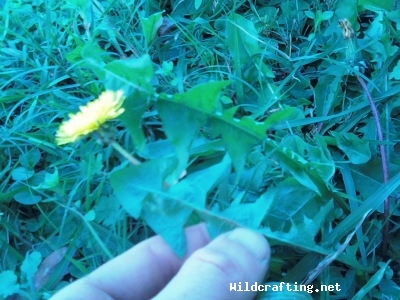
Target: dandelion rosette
<point x="91" y="117"/>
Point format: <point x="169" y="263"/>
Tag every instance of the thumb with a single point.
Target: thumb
<point x="233" y="258"/>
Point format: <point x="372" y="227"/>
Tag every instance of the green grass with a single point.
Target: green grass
<point x="253" y="99"/>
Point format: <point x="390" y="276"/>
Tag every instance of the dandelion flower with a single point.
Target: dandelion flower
<point x="90" y="117"/>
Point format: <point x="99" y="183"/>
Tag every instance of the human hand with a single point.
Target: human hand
<point x="151" y="269"/>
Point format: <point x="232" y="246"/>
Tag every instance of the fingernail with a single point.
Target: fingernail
<point x="252" y="241"/>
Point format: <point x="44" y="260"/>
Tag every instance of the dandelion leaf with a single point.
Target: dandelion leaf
<point x="295" y="201"/>
<point x="239" y="136"/>
<point x="356" y="150"/>
<point x="301" y="234"/>
<point x="194" y="188"/>
<point x="250" y="215"/>
<point x="133" y="184"/>
<point x="167" y="217"/>
<point x="142" y="193"/>
<point x="167" y="213"/>
<point x="183" y="115"/>
<point x="133" y="76"/>
<point x="150" y="26"/>
<point x="316" y="157"/>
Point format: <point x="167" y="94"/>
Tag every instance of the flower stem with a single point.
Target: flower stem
<point x="386" y="206"/>
<point x="353" y="56"/>
<point x="124" y="153"/>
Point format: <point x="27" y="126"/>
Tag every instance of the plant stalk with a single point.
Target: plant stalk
<point x="386" y="206"/>
<point x="124" y="153"/>
<point x="353" y="56"/>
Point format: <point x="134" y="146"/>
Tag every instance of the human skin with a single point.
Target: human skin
<point x="151" y="269"/>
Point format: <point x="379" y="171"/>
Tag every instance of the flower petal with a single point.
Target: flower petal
<point x="91" y="117"/>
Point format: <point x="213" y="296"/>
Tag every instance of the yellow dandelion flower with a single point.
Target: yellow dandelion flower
<point x="90" y="117"/>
